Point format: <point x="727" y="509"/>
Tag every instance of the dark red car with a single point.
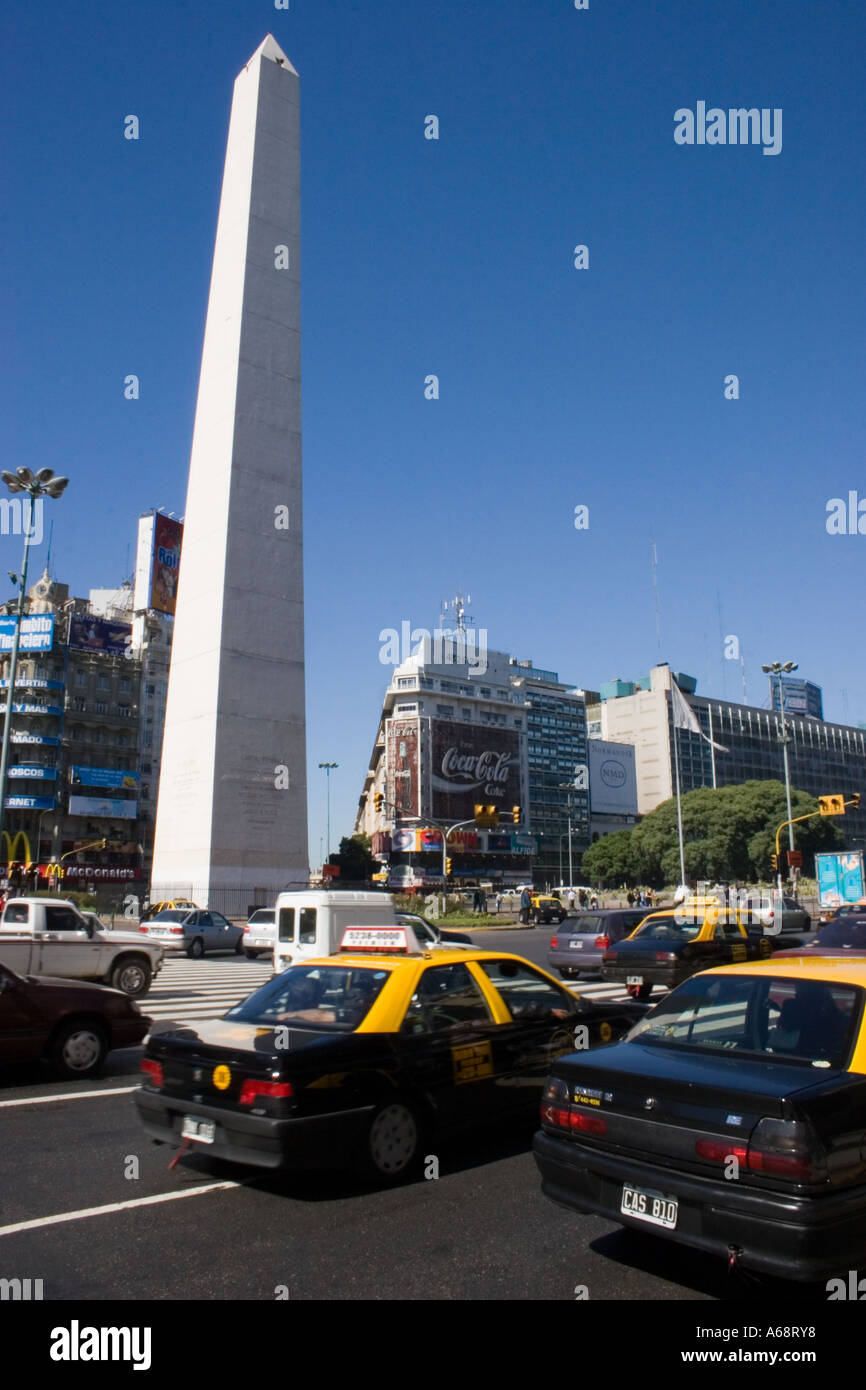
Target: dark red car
<point x="68" y="1023"/>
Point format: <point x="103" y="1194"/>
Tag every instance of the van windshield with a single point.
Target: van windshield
<point x="328" y="997"/>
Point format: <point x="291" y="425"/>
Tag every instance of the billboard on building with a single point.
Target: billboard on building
<point x="103" y="777"/>
<point x="157" y="563"/>
<point x="401" y="761"/>
<point x="29" y="803"/>
<point x="800" y="697"/>
<point x="37" y="633"/>
<point x="612" y="778"/>
<point x="92" y="806"/>
<point x="473" y="765"/>
<point x="88" y="634"/>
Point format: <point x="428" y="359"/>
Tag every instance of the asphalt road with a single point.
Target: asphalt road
<point x="482" y="1230"/>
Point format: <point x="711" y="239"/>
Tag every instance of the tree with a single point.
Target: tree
<point x="355" y="859"/>
<point x="728" y="833"/>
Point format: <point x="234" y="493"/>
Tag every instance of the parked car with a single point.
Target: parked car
<point x="69" y="1024"/>
<point x="790" y="918"/>
<point x="260" y="933"/>
<point x="730" y="1119"/>
<point x="829" y="914"/>
<point x="582" y="938"/>
<point x="195" y="933"/>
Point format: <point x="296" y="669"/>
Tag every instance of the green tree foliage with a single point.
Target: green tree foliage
<point x="728" y="833"/>
<point x="355" y="859"/>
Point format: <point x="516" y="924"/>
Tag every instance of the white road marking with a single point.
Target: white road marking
<point x="71" y="1095"/>
<point x="63" y="1216"/>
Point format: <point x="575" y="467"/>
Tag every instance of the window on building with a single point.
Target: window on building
<point x="406" y="709"/>
<point x="101" y="707"/>
<point x="103" y="682"/>
<point x="124" y="711"/>
<point x="80" y="678"/>
<point x="445" y="711"/>
<point x="125" y="683"/>
<point x="467" y="714"/>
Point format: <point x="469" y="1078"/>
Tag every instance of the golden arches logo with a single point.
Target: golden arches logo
<point x="12" y="854"/>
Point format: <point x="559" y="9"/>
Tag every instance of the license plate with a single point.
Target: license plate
<point x="650" y="1206"/>
<point x="202" y="1130"/>
<point x="576" y="945"/>
<point x="634" y="979"/>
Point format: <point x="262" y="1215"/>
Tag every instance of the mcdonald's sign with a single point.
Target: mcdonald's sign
<point x="12" y="855"/>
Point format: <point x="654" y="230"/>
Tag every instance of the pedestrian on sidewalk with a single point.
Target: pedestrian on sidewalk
<point x="525" y="902"/>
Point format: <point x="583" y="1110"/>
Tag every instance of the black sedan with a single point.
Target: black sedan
<point x="358" y="1058"/>
<point x="67" y="1023"/>
<point x="731" y="1119"/>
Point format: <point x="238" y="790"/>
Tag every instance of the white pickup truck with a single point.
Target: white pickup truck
<point x="41" y="936"/>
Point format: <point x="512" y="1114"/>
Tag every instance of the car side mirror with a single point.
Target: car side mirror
<point x="88" y="928"/>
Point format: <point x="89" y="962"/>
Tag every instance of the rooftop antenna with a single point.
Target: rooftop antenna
<point x="743" y="674"/>
<point x="654" y="560"/>
<point x="457" y="606"/>
<point x="722" y="644"/>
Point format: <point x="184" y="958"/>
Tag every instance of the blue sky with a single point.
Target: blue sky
<point x="559" y="387"/>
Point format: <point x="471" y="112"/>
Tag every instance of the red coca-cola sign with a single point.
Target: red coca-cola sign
<point x="473" y="765"/>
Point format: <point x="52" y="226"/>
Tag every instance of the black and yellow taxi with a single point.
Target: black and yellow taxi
<point x="731" y="1119"/>
<point x="546" y="907"/>
<point x="674" y="943"/>
<point x="358" y="1057"/>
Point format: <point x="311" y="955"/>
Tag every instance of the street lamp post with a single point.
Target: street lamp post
<point x="775" y="669"/>
<point x="567" y="786"/>
<point x="327" y="767"/>
<point x="41" y="484"/>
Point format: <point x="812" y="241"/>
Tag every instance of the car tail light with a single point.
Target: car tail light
<point x="787" y="1149"/>
<point x="143" y="929"/>
<point x="609" y="957"/>
<point x="251" y="1090"/>
<point x="603" y="942"/>
<point x="664" y="955"/>
<point x="554" y="942"/>
<point x="176" y="931"/>
<point x="246" y="929"/>
<point x="720" y="1150"/>
<point x="152" y="1070"/>
<point x="558" y="1112"/>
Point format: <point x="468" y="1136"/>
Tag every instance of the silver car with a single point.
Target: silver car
<point x="581" y="940"/>
<point x="194" y="932"/>
<point x="260" y="933"/>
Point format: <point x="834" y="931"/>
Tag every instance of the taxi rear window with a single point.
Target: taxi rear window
<point x="668" y="929"/>
<point x="810" y="1022"/>
<point x="328" y="997"/>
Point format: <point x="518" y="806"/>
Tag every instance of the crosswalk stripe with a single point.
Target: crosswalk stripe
<point x="187" y="991"/>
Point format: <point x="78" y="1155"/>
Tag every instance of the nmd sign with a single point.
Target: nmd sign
<point x="390" y="940"/>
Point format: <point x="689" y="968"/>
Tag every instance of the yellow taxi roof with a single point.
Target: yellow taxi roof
<point x="441" y="957"/>
<point x="831" y="969"/>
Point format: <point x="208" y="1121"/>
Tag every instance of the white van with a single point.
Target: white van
<point x="311" y="922"/>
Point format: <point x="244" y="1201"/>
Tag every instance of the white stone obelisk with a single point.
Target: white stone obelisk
<point x="232" y="796"/>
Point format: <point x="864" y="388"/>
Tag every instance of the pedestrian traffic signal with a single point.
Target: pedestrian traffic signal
<point x="486" y="817"/>
<point x="515" y="814"/>
<point x="447" y="868"/>
<point x="832" y="805"/>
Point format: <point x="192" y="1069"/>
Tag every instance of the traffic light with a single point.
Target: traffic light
<point x="447" y="868"/>
<point x="103" y="843"/>
<point x="515" y="814"/>
<point x="854" y="799"/>
<point x="774" y="860"/>
<point x="378" y="799"/>
<point x="832" y="805"/>
<point x="486" y="817"/>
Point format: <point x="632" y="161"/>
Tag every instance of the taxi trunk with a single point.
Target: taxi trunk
<point x="761" y="1163"/>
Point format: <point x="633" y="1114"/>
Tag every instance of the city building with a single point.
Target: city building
<point x="452" y="736"/>
<point x="823" y="757"/>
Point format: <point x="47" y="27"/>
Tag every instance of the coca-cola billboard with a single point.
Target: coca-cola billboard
<point x="402" y="765"/>
<point x="473" y="766"/>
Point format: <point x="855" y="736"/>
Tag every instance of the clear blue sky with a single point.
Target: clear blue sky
<point x="558" y="386"/>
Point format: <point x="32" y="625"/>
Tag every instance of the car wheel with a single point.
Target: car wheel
<point x="195" y="949"/>
<point x="640" y="991"/>
<point x="251" y="955"/>
<point x="394" y="1139"/>
<point x="78" y="1049"/>
<point x="132" y="976"/>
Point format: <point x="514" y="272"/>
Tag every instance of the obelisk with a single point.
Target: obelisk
<point x="231" y="821"/>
